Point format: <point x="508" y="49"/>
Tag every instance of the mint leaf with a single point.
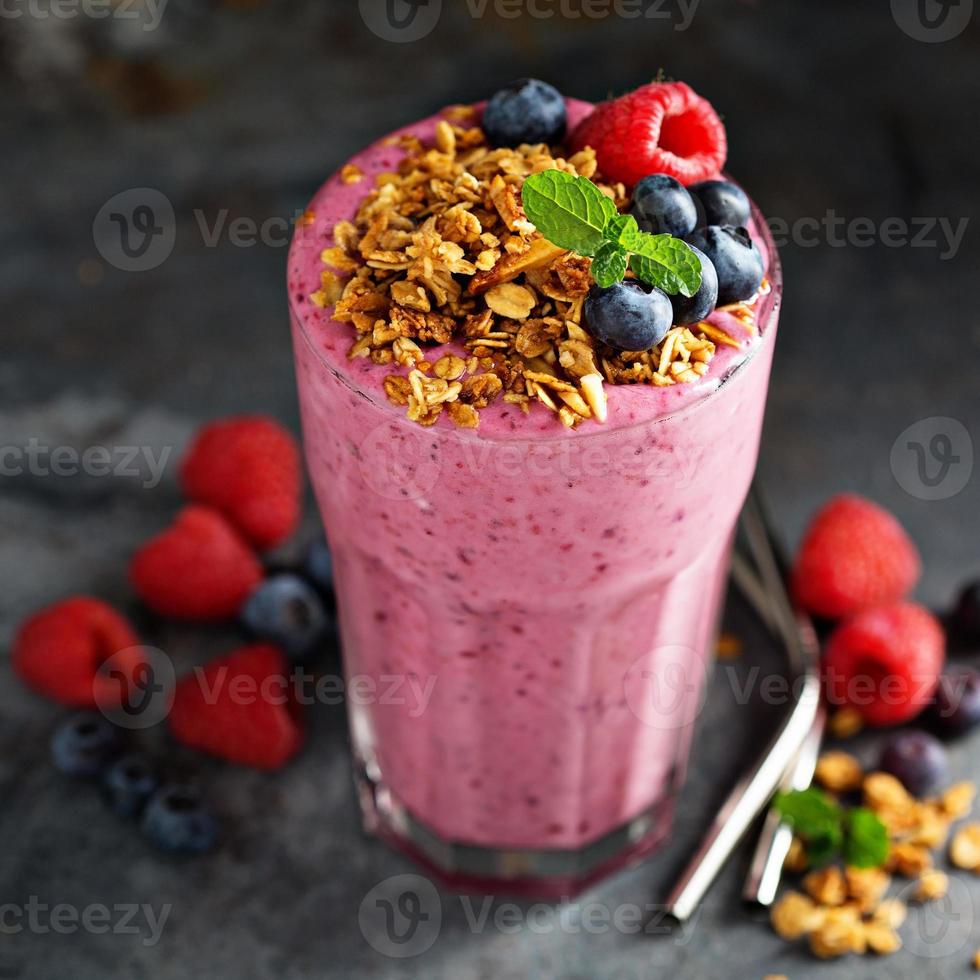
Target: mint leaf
<point x="571" y="212"/>
<point x="609" y="264"/>
<point x="827" y="829"/>
<point x="620" y="229"/>
<point x="815" y="818"/>
<point x="822" y="850"/>
<point x="665" y="262"/>
<point x="867" y="839"/>
<point x="809" y="812"/>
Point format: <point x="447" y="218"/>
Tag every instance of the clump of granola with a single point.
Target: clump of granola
<point x="442" y="253"/>
<point x="839" y="772"/>
<point x="845" y="723"/>
<point x="847" y="910"/>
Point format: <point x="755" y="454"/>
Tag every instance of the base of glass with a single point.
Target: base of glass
<point x="551" y="873"/>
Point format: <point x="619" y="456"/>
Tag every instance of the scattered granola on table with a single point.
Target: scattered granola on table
<point x="847" y="909"/>
<point x="845" y="722"/>
<point x="932" y="885"/>
<point x="728" y="647"/>
<point x="442" y="252"/>
<point x="964" y="850"/>
<point x="839" y="772"/>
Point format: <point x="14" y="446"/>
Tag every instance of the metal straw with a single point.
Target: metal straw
<point x="766" y="867"/>
<point x="754" y="790"/>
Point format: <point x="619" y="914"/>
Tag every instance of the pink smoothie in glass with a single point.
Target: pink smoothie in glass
<point x="546" y="598"/>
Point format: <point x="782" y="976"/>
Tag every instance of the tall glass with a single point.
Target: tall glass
<point x="527" y="616"/>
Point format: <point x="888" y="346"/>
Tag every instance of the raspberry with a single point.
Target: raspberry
<point x="885" y="662"/>
<point x="58" y="651"/>
<point x="239" y="708"/>
<point x="248" y="467"/>
<point x="198" y="568"/>
<point x="663" y="127"/>
<point x="854" y="555"/>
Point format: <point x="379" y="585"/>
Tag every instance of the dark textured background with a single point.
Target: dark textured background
<point x="247" y="107"/>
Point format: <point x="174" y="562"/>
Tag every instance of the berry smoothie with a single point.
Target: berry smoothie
<point x="529" y="605"/>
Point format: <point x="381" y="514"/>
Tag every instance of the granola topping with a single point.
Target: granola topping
<point x="441" y="253"/>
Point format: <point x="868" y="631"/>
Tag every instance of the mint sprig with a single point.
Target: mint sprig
<point x="571" y="212"/>
<point x="828" y="830"/>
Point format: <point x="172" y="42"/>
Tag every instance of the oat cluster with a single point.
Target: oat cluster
<point x="441" y="252"/>
<point x="845" y="722"/>
<point x="847" y="910"/>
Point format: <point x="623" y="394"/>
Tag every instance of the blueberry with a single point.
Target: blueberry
<point x="720" y="203"/>
<point x="527" y="111"/>
<point x="700" y="305"/>
<point x="84" y="744"/>
<point x="736" y="260"/>
<point x="318" y="565"/>
<point x="917" y="760"/>
<point x="176" y="819"/>
<point x="286" y="610"/>
<point x="966" y="615"/>
<point x="127" y="784"/>
<point x="627" y="316"/>
<point x="663" y="206"/>
<point x="957" y="706"/>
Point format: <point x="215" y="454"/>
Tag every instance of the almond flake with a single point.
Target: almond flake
<point x="595" y="395"/>
<point x="717" y="334"/>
